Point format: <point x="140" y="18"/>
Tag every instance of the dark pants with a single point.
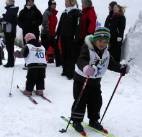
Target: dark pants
<point x="9" y="42"/>
<point x="115" y="50"/>
<point x="35" y="76"/>
<point x="68" y="56"/>
<point x="0" y="55"/>
<point x="46" y="41"/>
<point x="91" y="99"/>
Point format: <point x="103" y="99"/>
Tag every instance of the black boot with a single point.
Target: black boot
<point x="78" y="127"/>
<point x="8" y="65"/>
<point x="96" y="125"/>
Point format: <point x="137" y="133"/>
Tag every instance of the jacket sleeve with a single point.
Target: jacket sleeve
<point x="84" y="58"/>
<point x="21" y="19"/>
<point x="25" y="51"/>
<point x="107" y="22"/>
<point x="113" y="65"/>
<point x="92" y="22"/>
<point x="11" y="15"/>
<point x="59" y="28"/>
<point x="121" y="26"/>
<point x="45" y="21"/>
<point x="39" y="18"/>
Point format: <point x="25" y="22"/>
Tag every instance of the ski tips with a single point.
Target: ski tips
<point x="105" y="131"/>
<point x="83" y="133"/>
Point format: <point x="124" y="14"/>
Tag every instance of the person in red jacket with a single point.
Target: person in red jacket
<point x="87" y="23"/>
<point x="87" y="19"/>
<point x="49" y="29"/>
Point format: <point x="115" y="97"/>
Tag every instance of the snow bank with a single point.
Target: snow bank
<point x="133" y="42"/>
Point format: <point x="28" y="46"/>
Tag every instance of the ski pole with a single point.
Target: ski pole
<point x="78" y="100"/>
<point x="10" y="93"/>
<point x="111" y="97"/>
<point x="114" y="92"/>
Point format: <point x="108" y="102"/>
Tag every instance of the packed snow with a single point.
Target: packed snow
<point x="20" y="118"/>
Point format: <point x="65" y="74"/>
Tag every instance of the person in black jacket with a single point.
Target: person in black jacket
<point x="92" y="64"/>
<point x="9" y="22"/>
<point x="67" y="29"/>
<point x="116" y="22"/>
<point x="30" y="18"/>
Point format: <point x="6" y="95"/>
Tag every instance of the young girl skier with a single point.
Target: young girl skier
<point x="92" y="64"/>
<point x="34" y="55"/>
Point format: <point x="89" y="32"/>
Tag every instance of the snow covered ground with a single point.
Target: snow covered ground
<point x="20" y="118"/>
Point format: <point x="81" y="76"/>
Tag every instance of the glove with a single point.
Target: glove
<point x="124" y="69"/>
<point x="89" y="71"/>
<point x="18" y="54"/>
<point x="119" y="39"/>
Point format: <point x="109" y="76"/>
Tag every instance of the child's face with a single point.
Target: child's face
<point x="101" y="44"/>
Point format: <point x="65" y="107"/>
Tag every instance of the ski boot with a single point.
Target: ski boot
<point x="97" y="125"/>
<point x="27" y="93"/>
<point x="39" y="92"/>
<point x="79" y="128"/>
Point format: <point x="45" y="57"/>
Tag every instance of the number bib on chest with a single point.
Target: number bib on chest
<point x="36" y="55"/>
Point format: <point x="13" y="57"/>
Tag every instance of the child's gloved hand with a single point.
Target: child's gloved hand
<point x="89" y="70"/>
<point x="124" y="69"/>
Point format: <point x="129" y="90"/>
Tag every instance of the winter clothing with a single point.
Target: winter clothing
<point x="88" y="70"/>
<point x="39" y="92"/>
<point x="91" y="97"/>
<point x="1" y="50"/>
<point x="0" y="55"/>
<point x="67" y="30"/>
<point x="101" y="33"/>
<point x="35" y="76"/>
<point x="78" y="127"/>
<point x="9" y="41"/>
<point x="34" y="55"/>
<point x="27" y="93"/>
<point x="96" y="125"/>
<point x="9" y="22"/>
<point x="48" y="35"/>
<point x="30" y="20"/>
<point x="87" y="22"/>
<point x="116" y="23"/>
<point x="125" y="69"/>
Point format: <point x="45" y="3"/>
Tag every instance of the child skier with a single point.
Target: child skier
<point x="34" y="55"/>
<point x="92" y="64"/>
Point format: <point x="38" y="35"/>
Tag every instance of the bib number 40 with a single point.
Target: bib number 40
<point x="39" y="54"/>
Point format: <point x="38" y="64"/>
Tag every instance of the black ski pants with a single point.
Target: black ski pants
<point x="91" y="99"/>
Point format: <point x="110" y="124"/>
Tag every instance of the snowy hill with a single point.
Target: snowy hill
<point x="20" y="118"/>
<point x="133" y="42"/>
